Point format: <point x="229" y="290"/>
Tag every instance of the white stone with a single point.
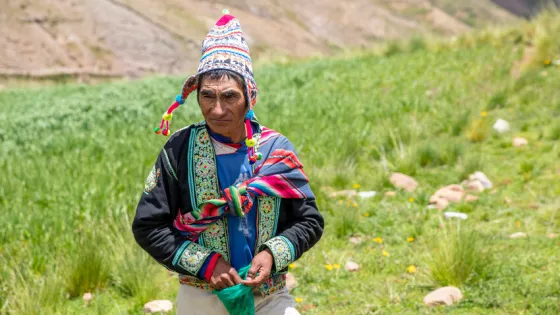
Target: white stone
<point x="474" y="185"/>
<point x="501" y="126"/>
<point x="518" y="235"/>
<point x="291" y="281"/>
<point x="344" y="193"/>
<point x="87" y="297"/>
<point x="158" y="306"/>
<point x="355" y="240"/>
<point x="442" y="203"/>
<point x="458" y="215"/>
<point x="452" y="193"/>
<point x="519" y="142"/>
<point x="352" y="266"/>
<point x="443" y="296"/>
<point x="404" y="182"/>
<point x="471" y="198"/>
<point x="367" y="194"/>
<point x="482" y="178"/>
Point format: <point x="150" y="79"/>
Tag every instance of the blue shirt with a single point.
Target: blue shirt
<point x="233" y="168"/>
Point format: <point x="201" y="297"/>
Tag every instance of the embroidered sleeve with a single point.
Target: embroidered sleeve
<point x="282" y="250"/>
<point x="190" y="257"/>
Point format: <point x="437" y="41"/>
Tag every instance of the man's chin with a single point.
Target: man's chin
<point x="220" y="127"/>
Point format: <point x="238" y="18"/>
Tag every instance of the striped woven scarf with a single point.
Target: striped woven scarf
<point x="280" y="175"/>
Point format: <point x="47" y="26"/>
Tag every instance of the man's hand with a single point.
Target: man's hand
<point x="261" y="267"/>
<point x="224" y="275"/>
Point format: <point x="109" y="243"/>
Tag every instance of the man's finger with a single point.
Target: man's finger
<point x="253" y="270"/>
<point x="226" y="280"/>
<point x="235" y="276"/>
<point x="217" y="285"/>
<point x="258" y="280"/>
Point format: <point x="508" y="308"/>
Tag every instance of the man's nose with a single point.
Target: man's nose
<point x="218" y="109"/>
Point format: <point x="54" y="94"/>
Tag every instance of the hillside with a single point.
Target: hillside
<point x="74" y="159"/>
<point x="132" y="38"/>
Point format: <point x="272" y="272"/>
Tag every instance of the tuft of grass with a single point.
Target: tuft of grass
<point x="88" y="269"/>
<point x="135" y="273"/>
<point x="456" y="256"/>
<point x="346" y="221"/>
<point x="478" y="130"/>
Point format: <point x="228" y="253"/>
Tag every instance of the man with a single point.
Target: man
<point x="227" y="193"/>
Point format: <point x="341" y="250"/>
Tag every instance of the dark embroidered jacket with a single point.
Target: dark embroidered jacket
<point x="184" y="175"/>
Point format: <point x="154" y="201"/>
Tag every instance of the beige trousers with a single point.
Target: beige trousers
<point x="195" y="301"/>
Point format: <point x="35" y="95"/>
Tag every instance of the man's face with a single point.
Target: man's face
<point x="223" y="105"/>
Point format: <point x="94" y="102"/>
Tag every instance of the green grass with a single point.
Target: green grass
<point x="74" y="159"/>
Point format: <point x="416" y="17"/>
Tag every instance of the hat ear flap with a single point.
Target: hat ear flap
<point x="189" y="86"/>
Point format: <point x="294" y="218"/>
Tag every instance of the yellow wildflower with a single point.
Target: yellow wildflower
<point x="547" y="62"/>
<point x="411" y="199"/>
<point x="340" y="202"/>
<point x="410" y="239"/>
<point x="484" y="114"/>
<point x="356" y="186"/>
<point x="411" y="269"/>
<point x="355" y="205"/>
<point x="378" y="240"/>
<point x="299" y="300"/>
<point x="336" y="266"/>
<point x="329" y="267"/>
<point x="518" y="224"/>
<point x="292" y="266"/>
<point x="385" y="253"/>
<point x="366" y="214"/>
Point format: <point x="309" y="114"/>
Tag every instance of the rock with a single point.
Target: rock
<point x="458" y="215"/>
<point x="473" y="185"/>
<point x="552" y="235"/>
<point x="355" y="240"/>
<point x="519" y="142"/>
<point x="367" y="194"/>
<point x="343" y="193"/>
<point x="482" y="178"/>
<point x="442" y="203"/>
<point x="518" y="235"/>
<point x="352" y="266"/>
<point x="452" y="193"/>
<point x="501" y="126"/>
<point x="390" y="194"/>
<point x="158" y="306"/>
<point x="87" y="297"/>
<point x="471" y="198"/>
<point x="443" y="296"/>
<point x="403" y="181"/>
<point x="291" y="282"/>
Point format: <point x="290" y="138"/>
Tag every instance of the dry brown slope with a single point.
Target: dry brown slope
<point x="137" y="37"/>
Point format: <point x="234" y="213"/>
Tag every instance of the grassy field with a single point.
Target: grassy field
<point x="74" y="159"/>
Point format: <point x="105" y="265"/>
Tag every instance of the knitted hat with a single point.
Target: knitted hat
<point x="223" y="48"/>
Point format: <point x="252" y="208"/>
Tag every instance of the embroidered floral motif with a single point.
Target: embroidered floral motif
<point x="206" y="177"/>
<point x="267" y="219"/>
<point x="282" y="250"/>
<point x="195" y="282"/>
<point x="205" y="185"/>
<point x="193" y="257"/>
<point x="273" y="284"/>
<point x="151" y="181"/>
<point x="216" y="238"/>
